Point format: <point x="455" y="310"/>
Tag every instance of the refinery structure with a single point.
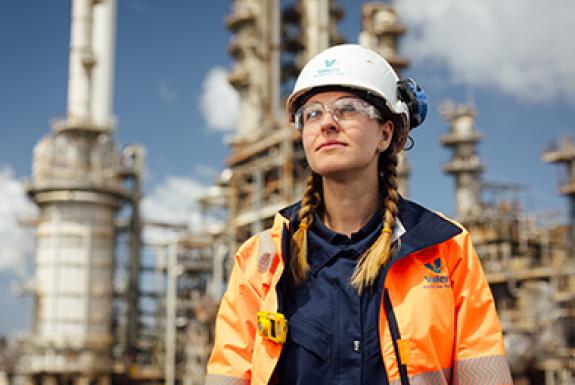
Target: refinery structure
<point x="98" y="321"/>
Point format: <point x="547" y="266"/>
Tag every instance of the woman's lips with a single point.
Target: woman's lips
<point x="330" y="144"/>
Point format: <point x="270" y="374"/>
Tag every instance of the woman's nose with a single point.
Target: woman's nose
<point x="329" y="121"/>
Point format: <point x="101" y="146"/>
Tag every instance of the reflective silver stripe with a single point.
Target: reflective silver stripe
<point x="439" y="377"/>
<point x="216" y="379"/>
<point x="266" y="251"/>
<point x="488" y="370"/>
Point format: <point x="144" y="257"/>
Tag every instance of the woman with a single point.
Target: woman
<point x="355" y="285"/>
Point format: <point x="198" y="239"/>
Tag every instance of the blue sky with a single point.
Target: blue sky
<point x="512" y="59"/>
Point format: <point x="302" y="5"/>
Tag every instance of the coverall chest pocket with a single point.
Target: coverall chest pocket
<point x="307" y="355"/>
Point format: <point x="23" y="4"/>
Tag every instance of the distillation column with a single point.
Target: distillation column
<point x="255" y="75"/>
<point x="266" y="160"/>
<point x="563" y="152"/>
<point x="315" y="20"/>
<point x="308" y="27"/>
<point x="77" y="185"/>
<point x="465" y="164"/>
<point x="381" y="32"/>
<point x="255" y="45"/>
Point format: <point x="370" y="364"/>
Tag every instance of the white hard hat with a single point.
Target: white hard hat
<point x="353" y="66"/>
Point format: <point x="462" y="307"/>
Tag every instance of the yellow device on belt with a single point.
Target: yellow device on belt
<point x="272" y="326"/>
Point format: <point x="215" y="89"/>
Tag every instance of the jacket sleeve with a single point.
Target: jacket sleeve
<point x="235" y="330"/>
<point x="479" y="351"/>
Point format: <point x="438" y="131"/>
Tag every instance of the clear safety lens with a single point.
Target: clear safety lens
<point x="342" y="109"/>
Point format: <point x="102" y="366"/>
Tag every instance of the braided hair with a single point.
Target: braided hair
<point x="379" y="253"/>
<point x="299" y="266"/>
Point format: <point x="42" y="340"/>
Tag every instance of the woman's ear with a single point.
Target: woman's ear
<point x="401" y="133"/>
<point x="387" y="129"/>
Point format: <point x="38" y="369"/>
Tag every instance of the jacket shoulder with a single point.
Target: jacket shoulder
<point x="259" y="256"/>
<point x="424" y="227"/>
<point x="464" y="232"/>
<point x="253" y="253"/>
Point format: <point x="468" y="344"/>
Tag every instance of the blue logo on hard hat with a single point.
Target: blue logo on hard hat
<point x="329" y="68"/>
<point x="329" y="63"/>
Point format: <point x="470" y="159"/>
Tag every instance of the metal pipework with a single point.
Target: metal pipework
<point x="316" y="31"/>
<point x="465" y="164"/>
<point x="103" y="47"/>
<point x="81" y="61"/>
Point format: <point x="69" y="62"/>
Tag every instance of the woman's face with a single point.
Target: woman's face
<point x="336" y="147"/>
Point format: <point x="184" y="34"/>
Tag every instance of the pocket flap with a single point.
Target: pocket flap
<point x="310" y="337"/>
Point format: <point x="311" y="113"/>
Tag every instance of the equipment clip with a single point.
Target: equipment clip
<point x="272" y="326"/>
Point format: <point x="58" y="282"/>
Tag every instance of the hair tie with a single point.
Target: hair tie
<point x="387" y="229"/>
<point x="303" y="225"/>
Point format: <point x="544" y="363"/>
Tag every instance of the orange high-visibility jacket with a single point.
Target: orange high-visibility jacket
<point x="437" y="321"/>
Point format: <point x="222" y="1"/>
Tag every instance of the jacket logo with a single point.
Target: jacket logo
<point x="439" y="279"/>
<point x="436" y="267"/>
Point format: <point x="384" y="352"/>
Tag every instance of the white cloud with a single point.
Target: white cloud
<point x="175" y="201"/>
<point x="521" y="47"/>
<point x="219" y="102"/>
<point x="15" y="242"/>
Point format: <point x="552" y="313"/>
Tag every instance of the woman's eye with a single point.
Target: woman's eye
<point x="348" y="108"/>
<point x="313" y="114"/>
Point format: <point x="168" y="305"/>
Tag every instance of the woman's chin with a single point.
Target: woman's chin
<point x="333" y="170"/>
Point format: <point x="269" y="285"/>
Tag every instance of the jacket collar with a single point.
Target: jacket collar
<point x="289" y="214"/>
<point x="422" y="228"/>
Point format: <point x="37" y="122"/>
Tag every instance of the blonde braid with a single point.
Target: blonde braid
<point x="371" y="262"/>
<point x="299" y="266"/>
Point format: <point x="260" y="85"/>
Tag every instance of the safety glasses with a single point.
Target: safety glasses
<point x="343" y="109"/>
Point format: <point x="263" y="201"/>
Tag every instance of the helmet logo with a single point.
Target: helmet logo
<point x="329" y="63"/>
<point x="329" y="68"/>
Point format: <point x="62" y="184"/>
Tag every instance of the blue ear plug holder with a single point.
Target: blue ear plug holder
<point x="415" y="97"/>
